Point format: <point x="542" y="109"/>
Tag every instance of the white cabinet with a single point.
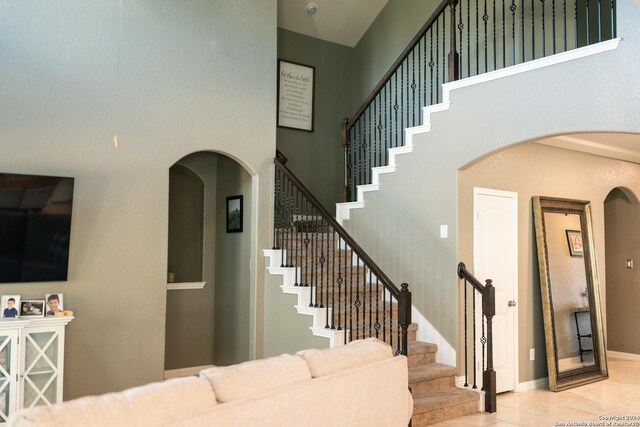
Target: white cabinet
<point x="31" y="362"/>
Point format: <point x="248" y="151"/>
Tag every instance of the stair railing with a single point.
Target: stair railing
<point x="462" y="38"/>
<point x="356" y="294"/>
<point x="488" y="294"/>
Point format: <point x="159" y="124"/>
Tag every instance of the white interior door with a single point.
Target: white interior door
<point x="495" y="256"/>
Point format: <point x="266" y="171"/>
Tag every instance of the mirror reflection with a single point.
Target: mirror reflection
<point x="574" y="335"/>
<point x="569" y="290"/>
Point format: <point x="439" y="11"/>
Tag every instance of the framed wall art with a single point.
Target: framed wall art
<point x="296" y="93"/>
<point x="234" y="214"/>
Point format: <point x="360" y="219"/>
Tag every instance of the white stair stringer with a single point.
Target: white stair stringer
<point x="336" y="337"/>
<point x="342" y="209"/>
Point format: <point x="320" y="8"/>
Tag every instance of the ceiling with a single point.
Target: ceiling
<point x="338" y="21"/>
<point x="621" y="146"/>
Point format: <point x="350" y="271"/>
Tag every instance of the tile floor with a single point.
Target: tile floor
<point x="617" y="396"/>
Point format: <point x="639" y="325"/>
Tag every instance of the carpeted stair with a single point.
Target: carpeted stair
<point x="435" y="396"/>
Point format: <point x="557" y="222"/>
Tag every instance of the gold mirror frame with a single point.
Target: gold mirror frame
<point x="598" y="371"/>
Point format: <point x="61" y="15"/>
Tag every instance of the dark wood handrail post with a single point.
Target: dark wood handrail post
<point x="454" y="57"/>
<point x="346" y="196"/>
<point x="489" y="376"/>
<point x="404" y="315"/>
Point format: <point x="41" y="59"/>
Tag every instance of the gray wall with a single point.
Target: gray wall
<point x="282" y="311"/>
<point x="232" y="332"/>
<point x="186" y="346"/>
<point x="383" y="42"/>
<point x="622" y="230"/>
<point x="316" y="158"/>
<point x="196" y="78"/>
<point x="531" y="105"/>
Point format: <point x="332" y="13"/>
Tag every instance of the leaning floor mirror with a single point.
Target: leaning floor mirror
<point x="574" y="336"/>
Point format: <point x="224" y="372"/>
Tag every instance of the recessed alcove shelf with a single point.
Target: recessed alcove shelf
<point x="185" y="285"/>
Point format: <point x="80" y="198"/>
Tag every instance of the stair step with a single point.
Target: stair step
<point x="421" y="353"/>
<point x="431" y="377"/>
<point x="443" y="405"/>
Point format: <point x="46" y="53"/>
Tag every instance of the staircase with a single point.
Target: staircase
<point x="361" y="310"/>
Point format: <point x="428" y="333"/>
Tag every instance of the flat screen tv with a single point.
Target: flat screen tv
<point x="35" y="226"/>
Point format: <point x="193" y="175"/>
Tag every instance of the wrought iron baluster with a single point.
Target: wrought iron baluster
<point x="504" y="37"/>
<point x="553" y="20"/>
<point x="587" y="25"/>
<point x="358" y="303"/>
<point x="314" y="268"/>
<point x="307" y="255"/>
<point x="377" y="324"/>
<point x="322" y="260"/>
<point x="513" y="9"/>
<point x="401" y="103"/>
<point x="564" y="19"/>
<point x="485" y="18"/>
<point x="469" y="38"/>
<point x="522" y="29"/>
<point x="495" y="61"/>
<point x="413" y="89"/>
<point x="613" y="15"/>
<point x="332" y="251"/>
<point x="543" y="30"/>
<point x="599" y="20"/>
<point x="460" y="28"/>
<point x="370" y="303"/>
<point x="291" y="200"/>
<point x="341" y="271"/>
<point x="466" y="340"/>
<point x="475" y="352"/>
<point x="438" y="60"/>
<point x="296" y="250"/>
<point x="575" y="19"/>
<point x="477" y="38"/>
<point x="533" y="30"/>
<point x="431" y="64"/>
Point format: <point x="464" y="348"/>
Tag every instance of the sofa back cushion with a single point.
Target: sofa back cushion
<point x="255" y="377"/>
<point x="148" y="405"/>
<point x="338" y="359"/>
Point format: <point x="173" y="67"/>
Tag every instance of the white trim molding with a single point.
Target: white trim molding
<point x="185" y="372"/>
<point x="185" y="285"/>
<point x="623" y="356"/>
<point x="539" y="384"/>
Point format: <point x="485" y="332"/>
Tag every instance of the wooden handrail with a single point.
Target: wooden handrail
<point x="412" y="44"/>
<point x="389" y="285"/>
<point x="488" y="293"/>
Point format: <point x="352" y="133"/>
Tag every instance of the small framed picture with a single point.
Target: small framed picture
<point x="574" y="239"/>
<point x="32" y="308"/>
<point x="234" y="214"/>
<point x="10" y="305"/>
<point x="54" y="304"/>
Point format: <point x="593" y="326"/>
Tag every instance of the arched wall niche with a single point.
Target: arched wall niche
<point x="211" y="324"/>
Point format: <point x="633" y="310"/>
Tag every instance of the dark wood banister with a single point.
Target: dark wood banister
<point x="488" y="293"/>
<point x="280" y="161"/>
<point x="398" y="62"/>
<point x="403" y="295"/>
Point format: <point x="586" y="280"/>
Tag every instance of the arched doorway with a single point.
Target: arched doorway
<point x="208" y="305"/>
<point x="622" y="246"/>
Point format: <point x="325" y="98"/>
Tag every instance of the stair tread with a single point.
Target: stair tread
<point x="430" y="371"/>
<point x="421" y="347"/>
<point x="447" y="398"/>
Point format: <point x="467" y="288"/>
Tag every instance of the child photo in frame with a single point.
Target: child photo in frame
<point x="10" y="304"/>
<point x="32" y="308"/>
<point x="54" y="304"/>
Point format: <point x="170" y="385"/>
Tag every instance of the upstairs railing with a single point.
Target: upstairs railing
<point x="462" y="38"/>
<point x="471" y="319"/>
<point x="357" y="296"/>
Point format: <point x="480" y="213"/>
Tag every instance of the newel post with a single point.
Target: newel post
<point x="346" y="197"/>
<point x="489" y="375"/>
<point x="454" y="57"/>
<point x="404" y="315"/>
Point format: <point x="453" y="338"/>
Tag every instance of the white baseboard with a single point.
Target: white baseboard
<point x="624" y="356"/>
<point x="185" y="372"/>
<point x="539" y="384"/>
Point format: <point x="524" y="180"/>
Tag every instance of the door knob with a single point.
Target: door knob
<point x="511" y="303"/>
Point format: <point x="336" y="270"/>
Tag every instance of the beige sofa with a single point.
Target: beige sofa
<point x="360" y="384"/>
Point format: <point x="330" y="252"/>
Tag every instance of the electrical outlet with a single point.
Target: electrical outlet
<point x="532" y="354"/>
<point x="444" y="231"/>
